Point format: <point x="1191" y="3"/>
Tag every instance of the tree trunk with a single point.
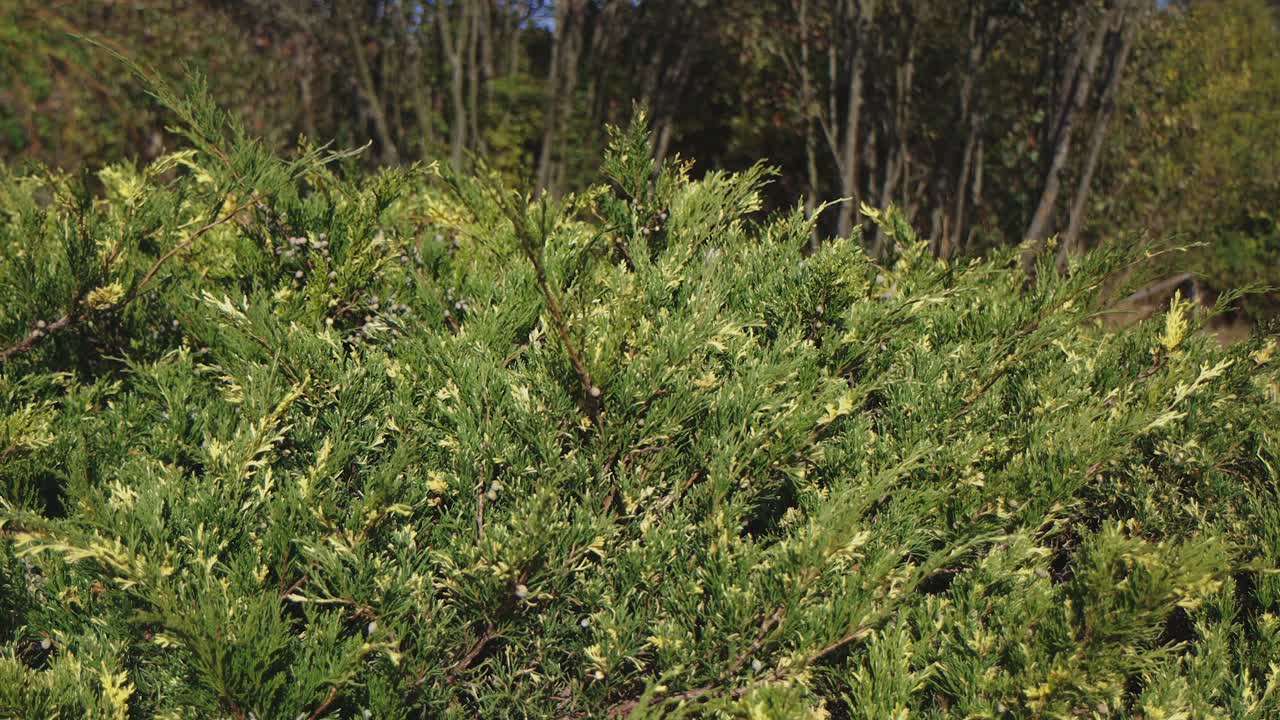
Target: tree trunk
<point x="1097" y="137"/>
<point x="549" y="124"/>
<point x="473" y="16"/>
<point x="513" y="39"/>
<point x="810" y="133"/>
<point x="979" y="166"/>
<point x="308" y="105"/>
<point x="959" y="225"/>
<point x="485" y="13"/>
<point x="972" y="119"/>
<point x="608" y="26"/>
<point x="416" y="62"/>
<point x="897" y="171"/>
<point x="902" y="106"/>
<point x="453" y="52"/>
<point x="852" y="122"/>
<point x="1080" y="88"/>
<point x="666" y="104"/>
<point x="369" y="90"/>
<point x="570" y="58"/>
<point x="663" y="142"/>
<point x="894" y="166"/>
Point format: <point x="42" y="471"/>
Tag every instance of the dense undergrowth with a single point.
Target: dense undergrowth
<point x="280" y="443"/>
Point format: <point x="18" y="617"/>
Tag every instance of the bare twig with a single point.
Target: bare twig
<point x="487" y="636"/>
<point x="35" y="335"/>
<point x="853" y="637"/>
<point x="155" y="267"/>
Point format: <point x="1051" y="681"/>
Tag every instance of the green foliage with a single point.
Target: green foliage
<point x="1195" y="155"/>
<point x="65" y="102"/>
<point x="952" y="113"/>
<point x="280" y="442"/>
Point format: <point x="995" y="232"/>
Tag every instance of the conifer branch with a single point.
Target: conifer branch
<point x="767" y="628"/>
<point x="721" y="487"/>
<point x="79" y="313"/>
<point x="476" y="648"/>
<point x="324" y="705"/>
<point x="532" y="250"/>
<point x="591" y="393"/>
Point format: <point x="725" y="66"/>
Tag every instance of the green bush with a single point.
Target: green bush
<point x="277" y="442"/>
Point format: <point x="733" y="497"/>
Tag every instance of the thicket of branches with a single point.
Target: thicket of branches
<point x="282" y="441"/>
<point x="986" y="123"/>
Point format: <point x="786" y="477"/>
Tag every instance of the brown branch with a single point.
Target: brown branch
<point x="451" y="676"/>
<point x="1155" y="293"/>
<point x="840" y="644"/>
<point x="487" y="636"/>
<point x="863" y="631"/>
<point x="671" y="497"/>
<point x="328" y="700"/>
<point x="515" y="354"/>
<point x="1012" y="357"/>
<point x="625" y="708"/>
<point x="294" y="587"/>
<point x="35" y="335"/>
<point x="562" y="328"/>
<point x="1155" y="368"/>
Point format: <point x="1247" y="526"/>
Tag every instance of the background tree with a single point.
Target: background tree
<point x="987" y="123"/>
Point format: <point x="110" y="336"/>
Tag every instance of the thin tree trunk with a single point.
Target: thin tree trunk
<point x="416" y="62"/>
<point x="1080" y="88"/>
<point x="369" y="90"/>
<point x="663" y="142"/>
<point x="902" y="107"/>
<point x="810" y="134"/>
<point x="960" y="213"/>
<point x="1097" y="137"/>
<point x="473" y="10"/>
<point x="388" y="77"/>
<point x="667" y="102"/>
<point x="485" y="13"/>
<point x="570" y="58"/>
<point x="608" y="26"/>
<point x="514" y="53"/>
<point x="972" y="118"/>
<point x="553" y="97"/>
<point x="852" y="121"/>
<point x="898" y="155"/>
<point x="979" y="166"/>
<point x="872" y="154"/>
<point x="453" y="53"/>
<point x="894" y="165"/>
<point x="308" y="105"/>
